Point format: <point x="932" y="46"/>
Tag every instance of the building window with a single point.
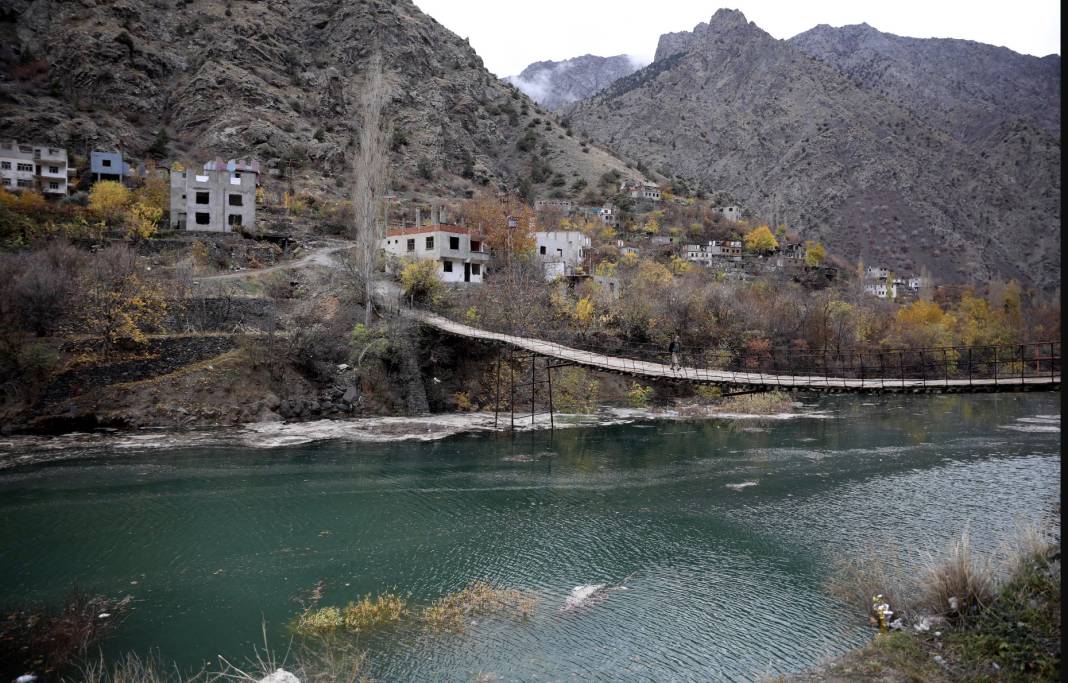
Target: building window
<point x="203" y="197"/>
<point x="411" y="245"/>
<point x="53" y="169"/>
<point x="476" y="268"/>
<point x="53" y="186"/>
<point x="430" y="242"/>
<point x="203" y="218"/>
<point x="23" y="182"/>
<point x="234" y="219"/>
<point x="476" y="245"/>
<point x="106" y="163"/>
<point x="26" y="167"/>
<point x="236" y="200"/>
<point x="5" y="165"/>
<point x="446" y="266"/>
<point x="454" y="243"/>
<point x="541" y="250"/>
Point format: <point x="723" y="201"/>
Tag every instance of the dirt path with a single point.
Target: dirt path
<point x="321" y="256"/>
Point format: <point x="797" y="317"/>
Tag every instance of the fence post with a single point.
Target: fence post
<point x="945" y="364"/>
<point x="1051" y="375"/>
<point x="901" y="365"/>
<point x="969" y="366"/>
<point x="995" y="365"/>
<point x="1022" y="364"/>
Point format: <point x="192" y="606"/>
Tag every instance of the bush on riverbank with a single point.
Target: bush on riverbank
<point x="49" y="640"/>
<point x="1003" y="627"/>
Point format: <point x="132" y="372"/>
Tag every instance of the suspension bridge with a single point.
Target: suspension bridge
<point x="1021" y="367"/>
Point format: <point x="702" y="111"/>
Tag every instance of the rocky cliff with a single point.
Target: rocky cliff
<point x="557" y="84"/>
<point x="876" y="176"/>
<point x="278" y="80"/>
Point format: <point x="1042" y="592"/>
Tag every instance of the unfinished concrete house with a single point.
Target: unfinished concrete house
<point x="213" y="201"/>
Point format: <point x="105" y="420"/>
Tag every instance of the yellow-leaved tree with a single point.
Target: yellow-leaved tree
<point x="142" y="221"/>
<point x="119" y="302"/>
<point x="154" y="193"/>
<point x="759" y="240"/>
<point x="680" y="266"/>
<point x="421" y="282"/>
<point x="108" y="197"/>
<point x="814" y="254"/>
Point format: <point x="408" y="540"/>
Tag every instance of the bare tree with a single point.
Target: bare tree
<point x="370" y="166"/>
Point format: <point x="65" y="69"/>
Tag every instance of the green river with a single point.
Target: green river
<point x="713" y="538"/>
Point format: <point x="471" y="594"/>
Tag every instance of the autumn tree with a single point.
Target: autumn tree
<point x="155" y="192"/>
<point x="815" y="254"/>
<point x="506" y="223"/>
<point x="141" y="221"/>
<point x="118" y="302"/>
<point x="420" y="281"/>
<point x="759" y="240"/>
<point x="108" y="197"/>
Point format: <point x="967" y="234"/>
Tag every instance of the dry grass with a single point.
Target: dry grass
<point x="858" y="580"/>
<point x="370" y="612"/>
<point x="959" y="585"/>
<point x="453" y="611"/>
<point x="134" y="669"/>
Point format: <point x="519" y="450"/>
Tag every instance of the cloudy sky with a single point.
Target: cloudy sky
<point x="509" y="34"/>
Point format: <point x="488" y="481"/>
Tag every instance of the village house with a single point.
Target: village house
<point x="714" y="252"/>
<point x="643" y="190"/>
<point x="876" y="273"/>
<point x="108" y="166"/>
<point x="606" y="214"/>
<point x="564" y="206"/>
<point x="38" y="167"/>
<point x="563" y="252"/>
<point x="213" y="201"/>
<point x="459" y="251"/>
<point x="728" y="213"/>
<point x="624" y="249"/>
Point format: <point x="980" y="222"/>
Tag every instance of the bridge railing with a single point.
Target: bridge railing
<point x="764" y="364"/>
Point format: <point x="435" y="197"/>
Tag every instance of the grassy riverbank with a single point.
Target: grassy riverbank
<point x="977" y="627"/>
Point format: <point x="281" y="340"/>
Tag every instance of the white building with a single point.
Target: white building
<point x="876" y="273"/>
<point x="713" y="252"/>
<point x="460" y="252"/>
<point x="25" y="167"/>
<point x="642" y="190"/>
<point x="562" y="251"/>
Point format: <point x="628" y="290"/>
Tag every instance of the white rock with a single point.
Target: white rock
<point x="280" y="676"/>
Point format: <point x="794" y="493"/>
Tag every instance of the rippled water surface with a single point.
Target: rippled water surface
<point x="711" y="538"/>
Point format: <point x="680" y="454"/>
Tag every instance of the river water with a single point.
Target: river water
<point x="712" y="538"/>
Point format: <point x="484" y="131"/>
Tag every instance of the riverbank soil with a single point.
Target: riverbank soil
<point x="1015" y="638"/>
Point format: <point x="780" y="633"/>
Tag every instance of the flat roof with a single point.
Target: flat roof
<point x="436" y="227"/>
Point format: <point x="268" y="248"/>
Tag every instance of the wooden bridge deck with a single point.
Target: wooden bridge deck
<point x="744" y="380"/>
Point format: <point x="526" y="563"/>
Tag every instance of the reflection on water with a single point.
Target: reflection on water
<point x="669" y="551"/>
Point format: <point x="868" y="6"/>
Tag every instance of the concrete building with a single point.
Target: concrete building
<point x="715" y="251"/>
<point x="460" y="252"/>
<point x="38" y="167"/>
<point x="16" y="166"/>
<point x="728" y="213"/>
<point x="876" y="273"/>
<point x="563" y="252"/>
<point x="564" y="206"/>
<point x="643" y="190"/>
<point x="108" y="166"/>
<point x="212" y="201"/>
<point x="237" y="167"/>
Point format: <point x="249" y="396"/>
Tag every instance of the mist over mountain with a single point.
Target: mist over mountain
<point x="904" y="152"/>
<point x="555" y="85"/>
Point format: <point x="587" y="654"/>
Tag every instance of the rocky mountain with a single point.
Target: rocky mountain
<point x="557" y="84"/>
<point x="962" y="87"/>
<point x="893" y="180"/>
<point x="279" y="80"/>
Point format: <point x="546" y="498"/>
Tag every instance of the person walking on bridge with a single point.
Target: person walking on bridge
<point x="675" y="348"/>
